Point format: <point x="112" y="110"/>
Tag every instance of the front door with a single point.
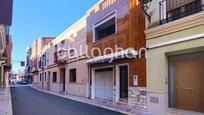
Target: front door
<point x="187" y="85"/>
<point x="62" y="76"/>
<point x="124" y="81"/>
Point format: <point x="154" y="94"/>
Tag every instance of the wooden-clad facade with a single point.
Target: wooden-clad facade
<point x="129" y="33"/>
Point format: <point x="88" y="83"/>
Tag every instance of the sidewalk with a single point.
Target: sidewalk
<point x="99" y="103"/>
<point x="5" y="102"/>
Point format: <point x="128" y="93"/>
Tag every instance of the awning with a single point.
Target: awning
<point x="128" y="53"/>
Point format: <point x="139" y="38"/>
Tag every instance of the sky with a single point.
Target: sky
<point x="37" y="18"/>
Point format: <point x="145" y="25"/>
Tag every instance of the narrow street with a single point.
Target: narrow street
<point x="28" y="101"/>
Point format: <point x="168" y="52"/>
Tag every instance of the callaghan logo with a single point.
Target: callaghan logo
<point x="98" y="55"/>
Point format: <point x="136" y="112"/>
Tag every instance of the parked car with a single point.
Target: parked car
<point x="23" y="82"/>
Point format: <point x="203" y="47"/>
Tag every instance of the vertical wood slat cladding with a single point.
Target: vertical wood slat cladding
<point x="130" y="23"/>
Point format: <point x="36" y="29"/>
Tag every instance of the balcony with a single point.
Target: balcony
<point x="34" y="69"/>
<point x="60" y="57"/>
<point x="42" y="62"/>
<point x="171" y="10"/>
<point x="34" y="66"/>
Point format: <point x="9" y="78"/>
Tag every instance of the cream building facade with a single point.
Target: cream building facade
<point x="175" y="60"/>
<point x="63" y="65"/>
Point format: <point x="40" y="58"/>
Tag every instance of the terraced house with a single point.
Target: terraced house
<point x="62" y="63"/>
<point x="115" y="35"/>
<point x="36" y="50"/>
<point x="175" y="63"/>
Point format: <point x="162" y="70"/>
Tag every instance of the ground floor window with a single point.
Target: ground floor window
<point x="72" y="75"/>
<point x="54" y="77"/>
<point x="186" y="78"/>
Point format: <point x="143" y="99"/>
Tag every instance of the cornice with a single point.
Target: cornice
<point x="175" y="26"/>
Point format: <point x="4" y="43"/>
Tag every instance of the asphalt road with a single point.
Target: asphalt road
<point x="28" y="101"/>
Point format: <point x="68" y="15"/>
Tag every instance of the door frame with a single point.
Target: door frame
<point x="169" y="67"/>
<point x="64" y="78"/>
<point x="118" y="79"/>
<point x="93" y="84"/>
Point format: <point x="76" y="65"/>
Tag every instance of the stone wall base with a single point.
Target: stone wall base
<point x="137" y="98"/>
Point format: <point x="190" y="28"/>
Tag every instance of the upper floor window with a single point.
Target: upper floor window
<point x="63" y="44"/>
<point x="174" y="9"/>
<point x="105" y="28"/>
<point x="55" y="47"/>
<point x="72" y="40"/>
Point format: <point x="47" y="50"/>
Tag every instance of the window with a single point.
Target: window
<point x="71" y="52"/>
<point x="54" y="77"/>
<point x="55" y="47"/>
<point x="72" y="42"/>
<point x="72" y="75"/>
<point x="106" y="29"/>
<point x="63" y="44"/>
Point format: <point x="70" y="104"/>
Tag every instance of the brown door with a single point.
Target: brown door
<point x="188" y="84"/>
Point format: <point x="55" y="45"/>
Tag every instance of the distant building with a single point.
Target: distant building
<point x="34" y="59"/>
<point x="28" y="73"/>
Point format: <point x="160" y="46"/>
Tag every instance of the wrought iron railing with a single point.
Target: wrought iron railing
<point x="171" y="10"/>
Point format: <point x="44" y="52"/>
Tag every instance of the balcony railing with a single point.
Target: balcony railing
<point x="171" y="10"/>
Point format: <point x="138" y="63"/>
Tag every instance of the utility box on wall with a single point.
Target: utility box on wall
<point x="135" y="80"/>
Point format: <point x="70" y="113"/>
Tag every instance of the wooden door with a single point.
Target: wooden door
<point x="188" y="84"/>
